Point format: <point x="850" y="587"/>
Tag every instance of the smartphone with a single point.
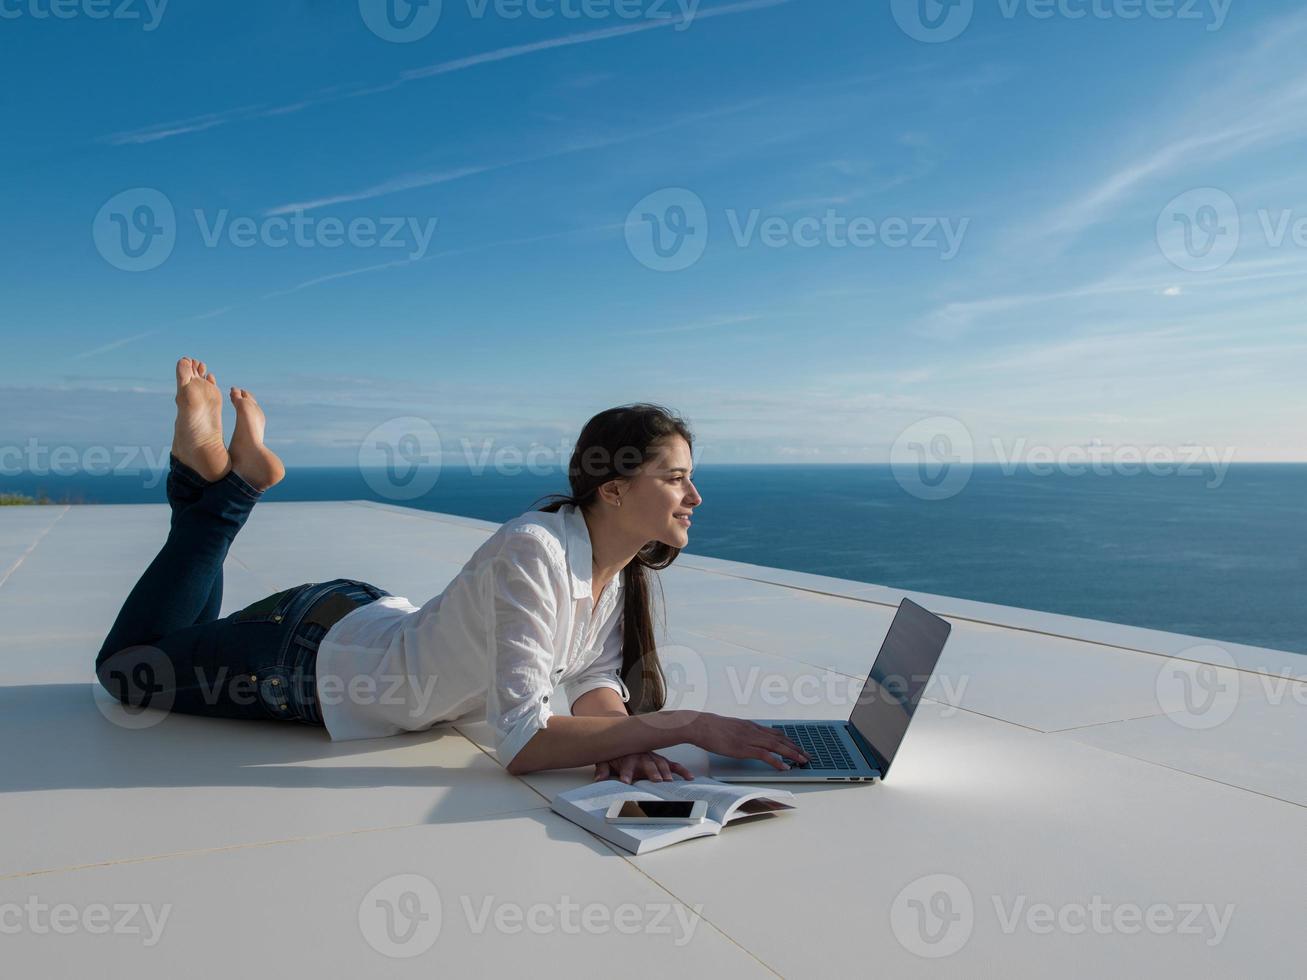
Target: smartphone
<point x="657" y="811"/>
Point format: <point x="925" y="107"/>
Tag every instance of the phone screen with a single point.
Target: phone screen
<point x="657" y="809"/>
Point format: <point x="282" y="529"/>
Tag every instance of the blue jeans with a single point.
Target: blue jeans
<point x="169" y="650"/>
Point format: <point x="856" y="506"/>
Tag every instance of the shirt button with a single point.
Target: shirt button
<point x="546" y="699"/>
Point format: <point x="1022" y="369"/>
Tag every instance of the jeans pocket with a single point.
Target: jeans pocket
<point x="274" y="693"/>
<point x="271" y="609"/>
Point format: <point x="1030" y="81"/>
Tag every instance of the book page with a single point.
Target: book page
<point x="600" y="796"/>
<point x="721" y="797"/>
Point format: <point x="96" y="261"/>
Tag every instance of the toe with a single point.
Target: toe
<point x="183" y="370"/>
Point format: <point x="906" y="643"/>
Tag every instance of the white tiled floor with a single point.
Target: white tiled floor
<point x="1042" y="770"/>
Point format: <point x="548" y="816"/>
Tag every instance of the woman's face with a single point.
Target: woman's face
<point x="659" y="491"/>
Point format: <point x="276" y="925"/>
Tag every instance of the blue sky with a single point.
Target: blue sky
<point x="1023" y="192"/>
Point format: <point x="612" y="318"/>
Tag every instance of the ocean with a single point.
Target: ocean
<point x="1219" y="555"/>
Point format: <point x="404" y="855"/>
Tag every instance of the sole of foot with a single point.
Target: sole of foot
<point x="197" y="433"/>
<point x="253" y="462"/>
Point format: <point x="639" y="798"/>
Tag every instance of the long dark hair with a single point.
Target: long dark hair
<point x="614" y="444"/>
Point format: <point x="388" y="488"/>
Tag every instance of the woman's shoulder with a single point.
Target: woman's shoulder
<point x="534" y="526"/>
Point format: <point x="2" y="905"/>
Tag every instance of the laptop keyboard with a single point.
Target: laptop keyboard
<point x="821" y="745"/>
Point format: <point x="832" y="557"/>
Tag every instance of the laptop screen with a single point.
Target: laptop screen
<point x="902" y="669"/>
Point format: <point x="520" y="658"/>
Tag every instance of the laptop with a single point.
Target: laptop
<point x="861" y="749"/>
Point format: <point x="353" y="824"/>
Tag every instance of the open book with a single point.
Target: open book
<point x="587" y="806"/>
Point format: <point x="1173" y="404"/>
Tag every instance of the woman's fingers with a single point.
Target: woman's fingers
<point x="626" y="768"/>
<point x="662" y="768"/>
<point x="768" y="757"/>
<point x="680" y="770"/>
<point x="776" y="738"/>
<point x="602" y="770"/>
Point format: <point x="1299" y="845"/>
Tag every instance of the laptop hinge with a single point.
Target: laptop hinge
<point x="868" y="751"/>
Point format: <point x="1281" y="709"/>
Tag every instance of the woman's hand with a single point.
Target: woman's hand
<point x="641" y="765"/>
<point x="741" y="739"/>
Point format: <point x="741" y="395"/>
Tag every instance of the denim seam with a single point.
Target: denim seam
<point x="239" y="484"/>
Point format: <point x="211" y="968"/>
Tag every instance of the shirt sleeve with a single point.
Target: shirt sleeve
<point x="523" y="613"/>
<point x="606" y="671"/>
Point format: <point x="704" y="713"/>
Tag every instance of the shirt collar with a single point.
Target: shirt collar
<point x="580" y="553"/>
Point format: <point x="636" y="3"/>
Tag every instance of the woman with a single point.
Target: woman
<point x="536" y="606"/>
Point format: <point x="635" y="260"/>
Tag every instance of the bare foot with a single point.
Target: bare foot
<point x="253" y="462"/>
<point x="197" y="434"/>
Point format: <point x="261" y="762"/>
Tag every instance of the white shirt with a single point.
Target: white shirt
<point x="515" y="622"/>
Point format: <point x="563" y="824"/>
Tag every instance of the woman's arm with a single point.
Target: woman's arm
<point x="600" y="702"/>
<point x="567" y="741"/>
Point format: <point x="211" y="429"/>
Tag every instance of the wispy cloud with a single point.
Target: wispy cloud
<point x="1253" y="107"/>
<point x="124" y="341"/>
<point x="213" y="120"/>
<point x="415" y="181"/>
